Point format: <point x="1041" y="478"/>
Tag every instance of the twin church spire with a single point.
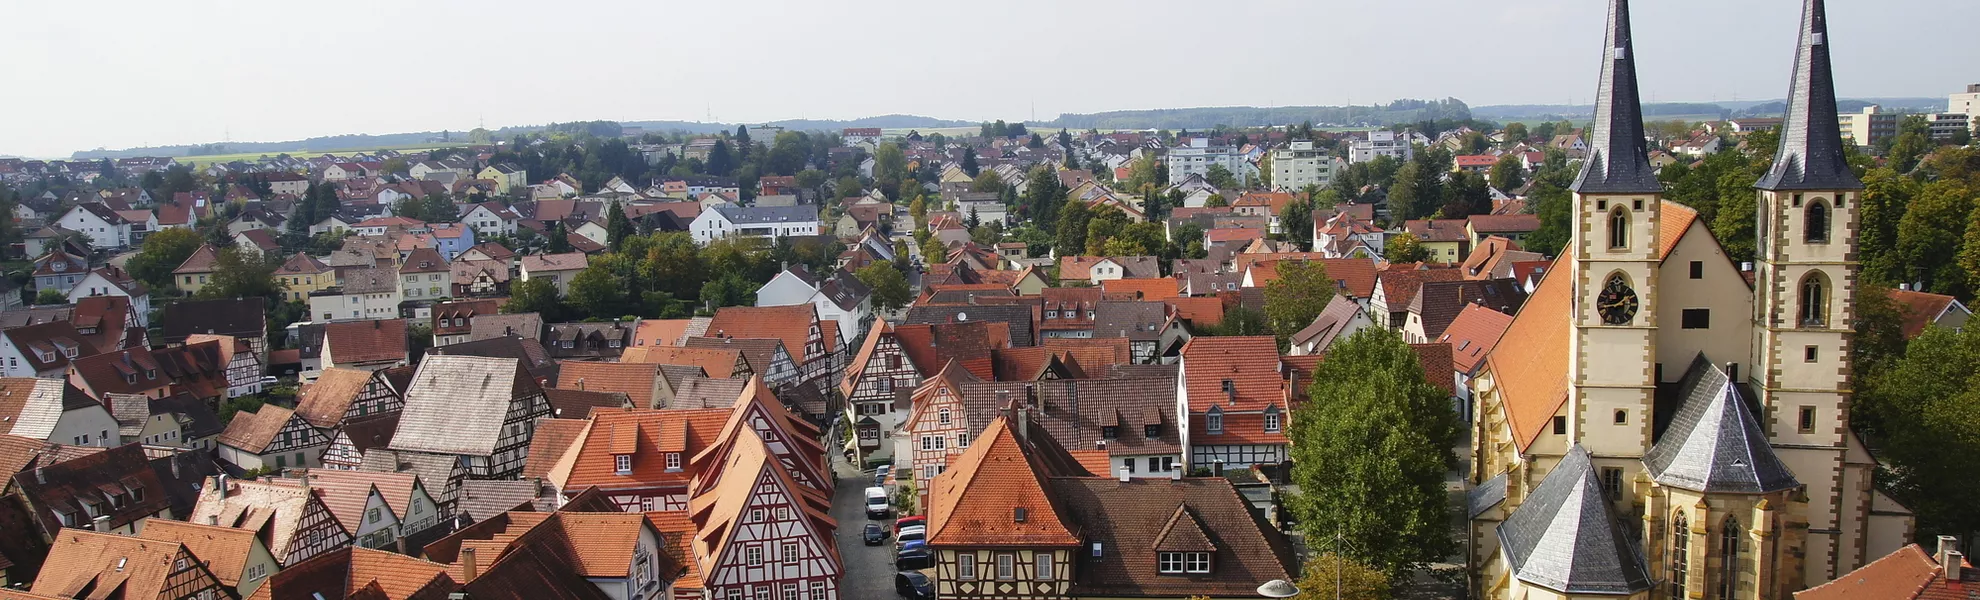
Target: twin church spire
<point x="1618" y="161"/>
<point x="1811" y="153"/>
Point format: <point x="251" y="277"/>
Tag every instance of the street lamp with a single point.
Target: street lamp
<point x="1278" y="588"/>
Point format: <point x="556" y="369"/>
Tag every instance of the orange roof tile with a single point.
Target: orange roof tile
<point x="1920" y="309"/>
<point x="225" y="550"/>
<point x="1907" y="574"/>
<point x="324" y="402"/>
<point x="552" y="440"/>
<point x="1671" y="225"/>
<point x="746" y="471"/>
<point x="647" y="434"/>
<point x="635" y="379"/>
<point x="1152" y="288"/>
<point x="677" y="529"/>
<point x="83" y="560"/>
<point x="660" y="332"/>
<point x="1529" y="364"/>
<point x="719" y="364"/>
<point x="1200" y="311"/>
<point x="974" y="502"/>
<point x="1473" y="334"/>
<point x="1250" y="363"/>
<point x="792" y="324"/>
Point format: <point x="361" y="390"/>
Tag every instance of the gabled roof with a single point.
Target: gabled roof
<point x="747" y="470"/>
<point x="225" y="550"/>
<point x="86" y="564"/>
<point x="547" y="446"/>
<point x="34" y="406"/>
<point x="1713" y="444"/>
<point x="970" y="344"/>
<point x="302" y="264"/>
<point x="758" y="352"/>
<point x="1564" y="538"/>
<point x="238" y="317"/>
<point x="1250" y="363"/>
<point x="458" y="404"/>
<point x="358" y="573"/>
<point x="976" y="501"/>
<point x="1473" y="334"/>
<point x="368" y="341"/>
<point x="1910" y="573"/>
<point x="1329" y="324"/>
<point x="202" y="260"/>
<point x="569" y="261"/>
<point x="254" y="431"/>
<point x="881" y="328"/>
<point x="1133" y="520"/>
<point x="719" y="363"/>
<point x="660" y="332"/>
<point x="635" y="380"/>
<point x="792" y="324"/>
<point x="1921" y="309"/>
<point x="71" y="485"/>
<point x="1019" y="318"/>
<point x="1148" y="288"/>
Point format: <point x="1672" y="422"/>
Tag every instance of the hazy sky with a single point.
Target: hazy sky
<point x="128" y="73"/>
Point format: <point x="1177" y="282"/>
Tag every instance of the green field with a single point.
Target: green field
<point x="202" y="161"/>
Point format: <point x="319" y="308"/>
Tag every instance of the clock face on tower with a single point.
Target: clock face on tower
<point x="1617" y="302"/>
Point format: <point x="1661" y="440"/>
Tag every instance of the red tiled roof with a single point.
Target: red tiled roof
<point x="353" y="342"/>
<point x="1250" y="363"/>
<point x="1232" y="234"/>
<point x="1200" y="311"/>
<point x="647" y="435"/>
<point x="975" y="501"/>
<point x="1907" y="574"/>
<point x="1150" y="288"/>
<point x="1473" y="334"/>
<point x="635" y="380"/>
<point x="1520" y="223"/>
<point x="718" y="363"/>
<point x="1920" y="309"/>
<point x="1435" y="359"/>
<point x="1436" y="230"/>
<point x="792" y="324"/>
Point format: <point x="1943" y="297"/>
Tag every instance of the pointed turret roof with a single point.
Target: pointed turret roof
<point x="1811" y="152"/>
<point x="1713" y="444"/>
<point x="1618" y="162"/>
<point x="1564" y="538"/>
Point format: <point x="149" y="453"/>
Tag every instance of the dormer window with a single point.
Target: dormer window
<point x="622" y="463"/>
<point x="1272" y="420"/>
<point x="69" y="352"/>
<point x="130" y="378"/>
<point x="1109" y="431"/>
<point x="1151" y="431"/>
<point x="1213" y="421"/>
<point x="1177" y="563"/>
<point x="673" y="461"/>
<point x="151" y="373"/>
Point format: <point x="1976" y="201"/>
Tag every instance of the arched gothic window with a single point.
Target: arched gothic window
<point x="1814" y="307"/>
<point x="1680" y="553"/>
<point x="1729" y="536"/>
<point x="1817" y="222"/>
<point x="1618" y="228"/>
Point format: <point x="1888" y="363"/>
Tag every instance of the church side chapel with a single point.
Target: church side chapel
<point x="1654" y="427"/>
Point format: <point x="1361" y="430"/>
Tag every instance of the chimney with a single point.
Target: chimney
<point x="1732" y="372"/>
<point x="1125" y="473"/>
<point x="1950" y="557"/>
<point x="213" y="519"/>
<point x="580" y="384"/>
<point x="468" y="566"/>
<point x="1904" y="287"/>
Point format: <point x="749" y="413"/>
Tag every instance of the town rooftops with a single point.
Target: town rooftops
<point x="758" y="215"/>
<point x="370" y="341"/>
<point x="569" y="261"/>
<point x="458" y="404"/>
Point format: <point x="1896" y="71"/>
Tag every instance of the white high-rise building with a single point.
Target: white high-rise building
<point x="1380" y="142"/>
<point x="1197" y="157"/>
<point x="1299" y="165"/>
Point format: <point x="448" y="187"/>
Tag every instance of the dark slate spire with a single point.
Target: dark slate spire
<point x="1713" y="444"/>
<point x="1564" y="538"/>
<point x="1811" y="154"/>
<point x="1618" y="162"/>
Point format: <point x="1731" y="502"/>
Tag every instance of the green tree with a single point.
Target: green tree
<point x="1292" y="301"/>
<point x="847" y="187"/>
<point x="534" y="296"/>
<point x="617" y="226"/>
<point x="1737" y="206"/>
<point x="1929" y="407"/>
<point x="1912" y="143"/>
<point x="1296" y="221"/>
<point x="919" y="210"/>
<point x="1376" y="439"/>
<point x="728" y="290"/>
<point x="1515" y="133"/>
<point x="1555" y="209"/>
<point x="1105" y="223"/>
<point x="1508" y="174"/>
<point x="889" y="166"/>
<point x="1330" y="577"/>
<point x="1072" y="226"/>
<point x="560" y="239"/>
<point x="719" y="161"/>
<point x="163" y="251"/>
<point x="1932" y="229"/>
<point x="1240" y="321"/>
<point x="1405" y="248"/>
<point x="49" y="296"/>
<point x="1043" y="197"/>
<point x="596" y="292"/>
<point x="1216" y="201"/>
<point x="1886" y="195"/>
<point x="890" y="287"/>
<point x="1221" y="177"/>
<point x="244" y="273"/>
<point x="986" y="182"/>
<point x="933" y="251"/>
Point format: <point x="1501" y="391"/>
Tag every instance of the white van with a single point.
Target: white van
<point x="876" y="503"/>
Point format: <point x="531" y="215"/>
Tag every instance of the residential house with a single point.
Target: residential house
<point x="80" y="565"/>
<point x="994" y="524"/>
<point x="59" y="270"/>
<point x="1910" y="573"/>
<point x="453" y="320"/>
<point x="562" y="554"/>
<point x="1446" y="240"/>
<point x="424" y="277"/>
<point x="588" y="341"/>
<point x="840" y="297"/>
<point x="1231" y="403"/>
<point x="639" y="458"/>
<point x="508" y="178"/>
<point x="105" y="227"/>
<point x="1341" y="317"/>
<point x="42" y="350"/>
<point x="557" y="268"/>
<point x="354" y="571"/>
<point x="478" y="410"/>
<point x="193" y="274"/>
<point x="491" y="218"/>
<point x="110" y="280"/>
<point x="451" y="239"/>
<point x="1395" y="290"/>
<point x="109" y="491"/>
<point x="881" y="375"/>
<point x="1922" y="310"/>
<point x="763" y="356"/>
<point x="1437" y="303"/>
<point x="272" y="438"/>
<point x="235" y="557"/>
<point x="259" y="241"/>
<point x="1471" y="337"/>
<point x="1152" y="331"/>
<point x="1095" y="269"/>
<point x="773" y="222"/>
<point x="1495" y="258"/>
<point x="303" y="274"/>
<point x="380" y="511"/>
<point x="368" y="293"/>
<point x="364" y="345"/>
<point x="760" y="531"/>
<point x="817" y="352"/>
<point x="288" y="516"/>
<point x="1513" y="227"/>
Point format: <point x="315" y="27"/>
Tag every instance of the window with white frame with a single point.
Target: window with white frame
<point x="1272" y="420"/>
<point x="1006" y="567"/>
<point x="966" y="566"/>
<point x="1198" y="562"/>
<point x="1169" y="562"/>
<point x="753" y="555"/>
<point x="673" y="461"/>
<point x="1044" y="566"/>
<point x="790" y="591"/>
<point x="789" y="551"/>
<point x="622" y="463"/>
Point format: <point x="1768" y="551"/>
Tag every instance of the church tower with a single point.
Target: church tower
<point x="1615" y="255"/>
<point x="1805" y="285"/>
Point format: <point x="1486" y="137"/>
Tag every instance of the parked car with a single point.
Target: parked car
<point x="912" y="584"/>
<point x="908" y="521"/>
<point x="918" y="559"/>
<point x="876" y="503"/>
<point x="874" y="534"/>
<point x="880" y="474"/>
<point x="914" y="533"/>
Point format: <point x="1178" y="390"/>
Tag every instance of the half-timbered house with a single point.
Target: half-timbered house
<point x="766" y="356"/>
<point x="881" y="375"/>
<point x="341" y="396"/>
<point x="479" y="409"/>
<point x="799" y="328"/>
<point x="1231" y="396"/>
<point x="791" y="440"/>
<point x="271" y="438"/>
<point x="758" y="535"/>
<point x="995" y="527"/>
<point x="639" y="458"/>
<point x="936" y="429"/>
<point x="379" y="510"/>
<point x="354" y="438"/>
<point x="290" y="517"/>
<point x="87" y="564"/>
<point x="243" y="366"/>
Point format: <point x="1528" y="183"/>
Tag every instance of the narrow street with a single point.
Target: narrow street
<point x="869" y="570"/>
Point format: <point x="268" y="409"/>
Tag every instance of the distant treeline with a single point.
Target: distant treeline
<point x="1400" y="111"/>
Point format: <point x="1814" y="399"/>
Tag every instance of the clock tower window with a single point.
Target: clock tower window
<point x="1818" y="223"/>
<point x="1618" y="229"/>
<point x="1814" y="301"/>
